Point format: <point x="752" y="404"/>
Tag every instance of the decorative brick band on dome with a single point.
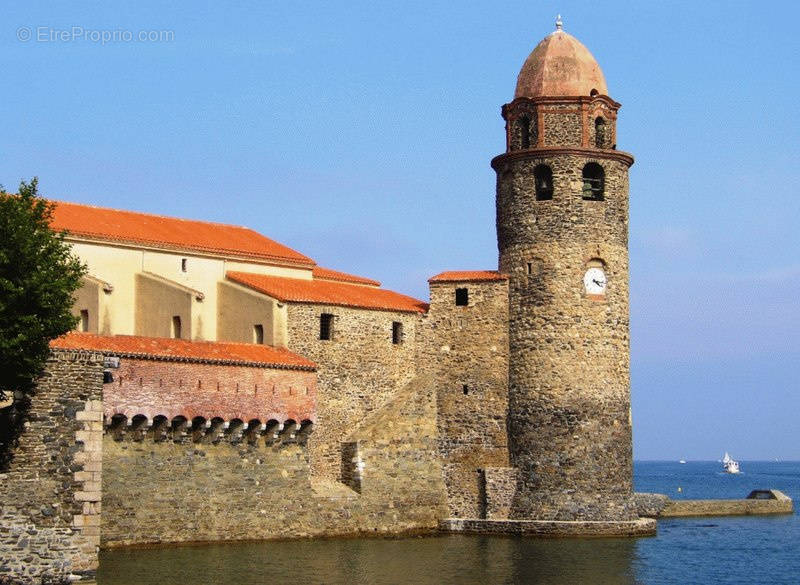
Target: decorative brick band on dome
<point x="468" y="276"/>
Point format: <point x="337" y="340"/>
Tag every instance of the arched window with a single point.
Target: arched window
<point x="593" y="182"/>
<point x="525" y="132"/>
<point x="599" y="132"/>
<point x="543" y="177"/>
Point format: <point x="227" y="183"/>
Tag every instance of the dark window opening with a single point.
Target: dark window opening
<point x="258" y="334"/>
<point x="397" y="332"/>
<point x="465" y="389"/>
<point x="183" y="264"/>
<point x="599" y="132"/>
<point x="593" y="182"/>
<point x="462" y="297"/>
<point x="176" y="327"/>
<point x="326" y="327"/>
<point x="525" y="132"/>
<point x="594" y="92"/>
<point x="530" y="267"/>
<point x="543" y="177"/>
<point x="84" y="320"/>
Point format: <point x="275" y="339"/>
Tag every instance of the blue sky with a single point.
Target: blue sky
<point x="360" y="133"/>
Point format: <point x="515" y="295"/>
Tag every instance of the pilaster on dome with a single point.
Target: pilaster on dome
<point x="560" y="66"/>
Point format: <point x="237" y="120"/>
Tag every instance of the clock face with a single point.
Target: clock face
<point x="595" y="281"/>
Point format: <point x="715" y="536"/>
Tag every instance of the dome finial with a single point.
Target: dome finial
<point x="559" y="24"/>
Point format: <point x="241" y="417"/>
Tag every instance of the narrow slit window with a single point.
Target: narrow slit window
<point x="462" y="297"/>
<point x="326" y="327"/>
<point x="176" y="327"/>
<point x="397" y="333"/>
<point x="84" y="320"/>
<point x="258" y="334"/>
<point x="465" y="389"/>
<point x="183" y="264"/>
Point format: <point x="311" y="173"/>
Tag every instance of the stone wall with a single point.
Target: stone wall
<point x="499" y="487"/>
<point x="176" y="490"/>
<point x="569" y="387"/>
<point x="466" y="352"/>
<point x="359" y="369"/>
<point x="50" y="494"/>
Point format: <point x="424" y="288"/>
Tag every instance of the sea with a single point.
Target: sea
<point x="747" y="550"/>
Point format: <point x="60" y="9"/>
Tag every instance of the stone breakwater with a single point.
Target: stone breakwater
<point x="759" y="502"/>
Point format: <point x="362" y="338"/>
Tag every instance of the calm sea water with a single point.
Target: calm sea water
<point x="744" y="550"/>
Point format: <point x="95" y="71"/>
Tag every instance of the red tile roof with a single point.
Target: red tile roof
<point x="328" y="293"/>
<point x="170" y="232"/>
<point x="468" y="276"/>
<point x="327" y="274"/>
<point x="219" y="352"/>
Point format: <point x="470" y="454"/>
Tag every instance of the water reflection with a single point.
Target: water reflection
<point x="430" y="560"/>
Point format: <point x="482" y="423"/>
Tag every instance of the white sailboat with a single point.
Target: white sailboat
<point x="731" y="466"/>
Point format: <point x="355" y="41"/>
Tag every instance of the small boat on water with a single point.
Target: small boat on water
<point x="731" y="465"/>
<point x="682" y="461"/>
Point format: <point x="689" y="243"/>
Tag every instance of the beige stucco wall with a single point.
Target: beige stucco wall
<point x="157" y="302"/>
<point x="119" y="265"/>
<point x="240" y="308"/>
<point x="87" y="298"/>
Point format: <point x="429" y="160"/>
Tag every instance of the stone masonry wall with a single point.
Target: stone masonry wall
<point x="176" y="490"/>
<point x="50" y="494"/>
<point x="466" y="352"/>
<point x="359" y="370"/>
<point x="569" y="388"/>
<point x="499" y="488"/>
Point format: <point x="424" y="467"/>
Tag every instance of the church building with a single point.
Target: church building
<point x="250" y="393"/>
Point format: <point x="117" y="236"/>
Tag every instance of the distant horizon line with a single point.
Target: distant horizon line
<point x="773" y="460"/>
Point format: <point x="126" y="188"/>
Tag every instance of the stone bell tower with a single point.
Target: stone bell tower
<point x="562" y="234"/>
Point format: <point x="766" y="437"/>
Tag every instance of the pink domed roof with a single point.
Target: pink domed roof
<point x="560" y="66"/>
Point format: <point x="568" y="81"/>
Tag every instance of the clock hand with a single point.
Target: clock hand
<point x="599" y="282"/>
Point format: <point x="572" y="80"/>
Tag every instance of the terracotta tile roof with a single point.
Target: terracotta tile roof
<point x="468" y="276"/>
<point x="170" y="232"/>
<point x="328" y="293"/>
<point x="327" y="274"/>
<point x="218" y="352"/>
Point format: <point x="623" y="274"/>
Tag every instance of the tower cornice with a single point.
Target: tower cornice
<point x="577" y="99"/>
<point x="532" y="153"/>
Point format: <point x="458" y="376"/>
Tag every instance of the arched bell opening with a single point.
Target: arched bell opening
<point x="593" y="182"/>
<point x="543" y="178"/>
<point x="600" y="130"/>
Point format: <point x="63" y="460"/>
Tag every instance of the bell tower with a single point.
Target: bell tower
<point x="562" y="234"/>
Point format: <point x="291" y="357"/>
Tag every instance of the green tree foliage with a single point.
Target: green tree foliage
<point x="38" y="276"/>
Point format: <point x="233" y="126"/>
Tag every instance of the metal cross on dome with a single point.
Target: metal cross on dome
<point x="559" y="23"/>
